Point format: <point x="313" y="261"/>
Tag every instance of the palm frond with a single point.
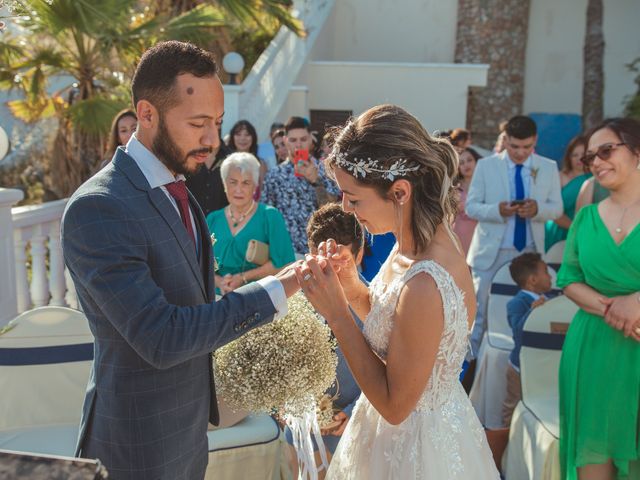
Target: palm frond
<point x="94" y="115"/>
<point x="32" y="110"/>
<point x="258" y="10"/>
<point x="196" y="25"/>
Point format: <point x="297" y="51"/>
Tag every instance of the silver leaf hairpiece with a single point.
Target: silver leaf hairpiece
<point x="361" y="167"/>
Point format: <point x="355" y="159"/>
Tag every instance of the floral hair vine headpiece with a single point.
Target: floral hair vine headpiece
<point x="361" y="167"/>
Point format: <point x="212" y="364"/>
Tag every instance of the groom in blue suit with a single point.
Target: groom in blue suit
<point x="138" y="249"/>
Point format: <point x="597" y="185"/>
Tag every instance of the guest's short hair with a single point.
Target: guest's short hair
<point x="459" y="136"/>
<point x="296" y="122"/>
<point x="523" y="266"/>
<point x="277" y="134"/>
<point x="276" y="126"/>
<point x="521" y="127"/>
<point x="331" y="221"/>
<point x="245" y="162"/>
<point x="474" y="153"/>
<point x="155" y="77"/>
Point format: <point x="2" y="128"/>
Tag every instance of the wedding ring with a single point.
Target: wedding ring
<point x="306" y="277"/>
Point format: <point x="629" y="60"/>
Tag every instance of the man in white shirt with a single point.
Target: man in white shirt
<point x="512" y="194"/>
<point x="140" y="255"/>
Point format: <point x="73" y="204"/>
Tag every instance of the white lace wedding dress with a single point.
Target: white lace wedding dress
<point x="442" y="438"/>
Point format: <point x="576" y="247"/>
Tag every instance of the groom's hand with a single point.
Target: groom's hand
<point x="287" y="277"/>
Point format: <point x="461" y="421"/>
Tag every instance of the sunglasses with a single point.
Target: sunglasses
<point x="603" y="152"/>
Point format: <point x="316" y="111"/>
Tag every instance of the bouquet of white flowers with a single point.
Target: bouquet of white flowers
<point x="284" y="366"/>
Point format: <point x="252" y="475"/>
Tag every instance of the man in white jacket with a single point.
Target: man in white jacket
<point x="512" y="195"/>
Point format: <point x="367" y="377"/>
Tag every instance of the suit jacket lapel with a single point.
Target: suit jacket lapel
<point x="504" y="174"/>
<point x="164" y="207"/>
<point x="533" y="182"/>
<point x="206" y="252"/>
<point x="172" y="217"/>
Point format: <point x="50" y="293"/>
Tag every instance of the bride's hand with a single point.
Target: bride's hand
<point x="341" y="259"/>
<point x="322" y="288"/>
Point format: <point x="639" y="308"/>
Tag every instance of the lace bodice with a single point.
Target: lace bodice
<point x="453" y="344"/>
<point x="442" y="437"/>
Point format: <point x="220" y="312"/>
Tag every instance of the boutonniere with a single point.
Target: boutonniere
<point x="215" y="260"/>
<point x="534" y="174"/>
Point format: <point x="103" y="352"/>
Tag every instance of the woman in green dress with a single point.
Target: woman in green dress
<point x="600" y="366"/>
<point x="243" y="220"/>
<point x="572" y="176"/>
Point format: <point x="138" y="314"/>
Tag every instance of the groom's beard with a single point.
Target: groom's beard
<point x="170" y="154"/>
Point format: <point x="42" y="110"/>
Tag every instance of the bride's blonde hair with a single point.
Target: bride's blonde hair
<point x="373" y="146"/>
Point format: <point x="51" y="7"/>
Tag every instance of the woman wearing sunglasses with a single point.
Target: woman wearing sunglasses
<point x="600" y="366"/>
<point x="591" y="191"/>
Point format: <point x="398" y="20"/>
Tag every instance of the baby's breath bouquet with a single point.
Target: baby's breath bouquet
<point x="284" y="366"/>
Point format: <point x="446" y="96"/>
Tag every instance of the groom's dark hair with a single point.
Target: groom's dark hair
<point x="155" y="76"/>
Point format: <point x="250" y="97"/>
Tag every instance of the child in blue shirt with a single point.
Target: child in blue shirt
<point x="531" y="274"/>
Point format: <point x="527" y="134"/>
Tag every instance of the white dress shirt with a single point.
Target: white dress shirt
<point x="158" y="175"/>
<point x="507" y="240"/>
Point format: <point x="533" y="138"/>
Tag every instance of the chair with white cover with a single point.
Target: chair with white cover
<point x="532" y="452"/>
<point x="45" y="360"/>
<point x="554" y="256"/>
<point x="490" y="385"/>
<point x="251" y="449"/>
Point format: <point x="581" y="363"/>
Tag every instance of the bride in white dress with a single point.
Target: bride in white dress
<point x="414" y="420"/>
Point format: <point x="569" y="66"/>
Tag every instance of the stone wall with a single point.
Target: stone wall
<point x="493" y="32"/>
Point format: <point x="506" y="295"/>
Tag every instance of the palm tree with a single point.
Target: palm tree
<point x="251" y="24"/>
<point x="593" y="76"/>
<point x="262" y="12"/>
<point x="72" y="63"/>
<point x="75" y="57"/>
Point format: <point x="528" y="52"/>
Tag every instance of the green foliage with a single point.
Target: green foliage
<point x="89" y="49"/>
<point x="264" y="13"/>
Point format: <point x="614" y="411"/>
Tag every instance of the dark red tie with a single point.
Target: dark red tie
<point x="178" y="190"/>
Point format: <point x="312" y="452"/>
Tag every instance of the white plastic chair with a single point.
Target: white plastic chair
<point x="532" y="452"/>
<point x="45" y="359"/>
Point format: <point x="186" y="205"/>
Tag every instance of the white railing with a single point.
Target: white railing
<point x="36" y="230"/>
<point x="266" y="88"/>
<point x="31" y="235"/>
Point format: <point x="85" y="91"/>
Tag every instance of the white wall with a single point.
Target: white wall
<point x="419" y="88"/>
<point x="554" y="57"/>
<point x="622" y="46"/>
<point x="389" y="31"/>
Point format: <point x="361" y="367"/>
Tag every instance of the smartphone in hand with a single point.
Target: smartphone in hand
<point x="300" y="155"/>
<point x="517" y="203"/>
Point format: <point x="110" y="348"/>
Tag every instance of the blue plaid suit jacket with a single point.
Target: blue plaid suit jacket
<point x="151" y="306"/>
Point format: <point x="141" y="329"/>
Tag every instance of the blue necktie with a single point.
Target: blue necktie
<point x="520" y="234"/>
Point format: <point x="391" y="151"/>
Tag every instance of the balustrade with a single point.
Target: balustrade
<point x="40" y="277"/>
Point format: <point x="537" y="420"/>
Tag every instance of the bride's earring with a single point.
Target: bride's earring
<point x="401" y="203"/>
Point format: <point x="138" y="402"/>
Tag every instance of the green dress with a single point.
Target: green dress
<point x="600" y="368"/>
<point x="266" y="225"/>
<point x="553" y="233"/>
